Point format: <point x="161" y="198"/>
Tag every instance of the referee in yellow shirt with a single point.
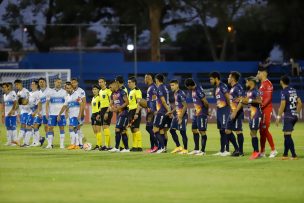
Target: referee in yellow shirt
<point x="105" y="113"/>
<point x="134" y="115"/>
<point x="95" y="118"/>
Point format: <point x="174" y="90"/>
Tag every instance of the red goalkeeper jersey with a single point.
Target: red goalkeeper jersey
<point x="266" y="90"/>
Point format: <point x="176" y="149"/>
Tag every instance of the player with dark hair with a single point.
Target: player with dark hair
<point x="105" y="113"/>
<point x="291" y="106"/>
<point x="253" y="100"/>
<point x="223" y="109"/>
<point x="134" y="114"/>
<point x="162" y="108"/>
<point x="236" y="117"/>
<point x="200" y="118"/>
<point x="180" y="117"/>
<point x="266" y="90"/>
<point x="119" y="104"/>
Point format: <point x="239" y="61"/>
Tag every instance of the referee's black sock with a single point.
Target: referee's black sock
<point x="175" y="137"/>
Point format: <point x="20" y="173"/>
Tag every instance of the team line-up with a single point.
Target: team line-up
<point x="51" y="107"/>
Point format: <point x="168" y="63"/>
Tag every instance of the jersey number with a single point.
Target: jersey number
<point x="293" y="101"/>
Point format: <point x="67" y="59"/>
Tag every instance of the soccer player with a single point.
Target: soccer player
<point x="95" y="117"/>
<point x="34" y="118"/>
<point x="162" y="108"/>
<point x="81" y="92"/>
<point x="266" y="90"/>
<point x="74" y="105"/>
<point x="253" y="100"/>
<point x="291" y="106"/>
<point x="223" y="109"/>
<point x="151" y="109"/>
<point x="119" y="104"/>
<point x="200" y="119"/>
<point x="236" y="117"/>
<point x="44" y="93"/>
<point x="54" y="103"/>
<point x="120" y="80"/>
<point x="22" y="94"/>
<point x="105" y="113"/>
<point x="134" y="114"/>
<point x="180" y="117"/>
<point x="10" y="108"/>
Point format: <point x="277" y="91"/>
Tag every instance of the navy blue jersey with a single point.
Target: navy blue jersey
<point x="118" y="100"/>
<point x="290" y="96"/>
<point x="220" y="92"/>
<point x="197" y="96"/>
<point x="151" y="97"/>
<point x="235" y="92"/>
<point x="255" y="109"/>
<point x="179" y="98"/>
<point x="162" y="91"/>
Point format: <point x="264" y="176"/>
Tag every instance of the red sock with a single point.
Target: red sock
<point x="269" y="139"/>
<point x="262" y="139"/>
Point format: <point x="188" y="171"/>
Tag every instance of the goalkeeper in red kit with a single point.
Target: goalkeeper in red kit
<point x="266" y="90"/>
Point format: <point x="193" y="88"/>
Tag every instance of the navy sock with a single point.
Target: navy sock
<point x="290" y="145"/>
<point x="175" y="137"/>
<point x="196" y="141"/>
<point x="204" y="142"/>
<point x="185" y="139"/>
<point x="240" y="138"/>
<point x="223" y="140"/>
<point x="125" y="141"/>
<point x="165" y="140"/>
<point x="232" y="139"/>
<point x="117" y="139"/>
<point x="160" y="140"/>
<point x="149" y="129"/>
<point x="286" y="147"/>
<point x="255" y="144"/>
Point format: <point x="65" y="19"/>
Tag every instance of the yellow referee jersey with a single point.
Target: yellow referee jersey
<point x="95" y="103"/>
<point x="105" y="97"/>
<point x="133" y="96"/>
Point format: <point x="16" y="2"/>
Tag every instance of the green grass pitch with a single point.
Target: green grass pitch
<point x="40" y="175"/>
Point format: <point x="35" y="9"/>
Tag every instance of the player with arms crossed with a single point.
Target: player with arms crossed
<point x="266" y="90"/>
<point x="253" y="100"/>
<point x="119" y="104"/>
<point x="291" y="106"/>
<point x="200" y="119"/>
<point x="54" y="103"/>
<point x="180" y="117"/>
<point x="10" y="108"/>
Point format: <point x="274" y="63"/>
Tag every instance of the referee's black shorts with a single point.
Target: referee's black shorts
<point x="94" y="121"/>
<point x="136" y="122"/>
<point x="108" y="120"/>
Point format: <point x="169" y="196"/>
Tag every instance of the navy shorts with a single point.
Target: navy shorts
<point x="53" y="121"/>
<point x="288" y="123"/>
<point x="168" y="122"/>
<point x="31" y="120"/>
<point x="149" y="119"/>
<point x="24" y="118"/>
<point x="44" y="120"/>
<point x="122" y="122"/>
<point x="160" y="120"/>
<point x="222" y="115"/>
<point x="74" y="122"/>
<point x="10" y="122"/>
<point x="200" y="122"/>
<point x="254" y="123"/>
<point x="182" y="126"/>
<point x="236" y="123"/>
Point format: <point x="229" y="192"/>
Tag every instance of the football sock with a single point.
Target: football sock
<point x="223" y="140"/>
<point x="149" y="129"/>
<point x="62" y="137"/>
<point x="106" y="133"/>
<point x="165" y="140"/>
<point x="28" y="135"/>
<point x="50" y="136"/>
<point x="269" y="139"/>
<point x="134" y="140"/>
<point x="240" y="138"/>
<point x="98" y="139"/>
<point x="139" y="139"/>
<point x="175" y="137"/>
<point x="185" y="139"/>
<point x="255" y="144"/>
<point x="117" y="139"/>
<point x="204" y="142"/>
<point x="160" y="140"/>
<point x="125" y="141"/>
<point x="196" y="141"/>
<point x="232" y="139"/>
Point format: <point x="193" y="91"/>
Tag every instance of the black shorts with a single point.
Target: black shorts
<point x="94" y="121"/>
<point x="108" y="120"/>
<point x="149" y="119"/>
<point x="136" y="122"/>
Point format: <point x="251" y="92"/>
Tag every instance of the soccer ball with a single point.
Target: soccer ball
<point x="87" y="146"/>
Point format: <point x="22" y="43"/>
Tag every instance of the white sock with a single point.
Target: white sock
<point x="21" y="134"/>
<point x="73" y="137"/>
<point x="8" y="136"/>
<point x="61" y="139"/>
<point x="77" y="139"/>
<point x="14" y="135"/>
<point x="50" y="139"/>
<point x="28" y="136"/>
<point x="80" y="136"/>
<point x="36" y="136"/>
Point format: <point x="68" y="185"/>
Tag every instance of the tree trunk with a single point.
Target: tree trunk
<point x="224" y="48"/>
<point x="155" y="8"/>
